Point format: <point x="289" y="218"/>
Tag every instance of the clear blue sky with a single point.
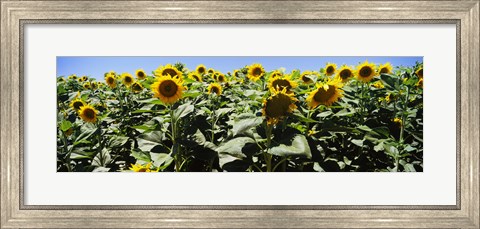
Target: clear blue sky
<point x="98" y="65"/>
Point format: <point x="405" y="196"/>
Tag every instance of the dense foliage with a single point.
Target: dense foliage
<point x="363" y="118"/>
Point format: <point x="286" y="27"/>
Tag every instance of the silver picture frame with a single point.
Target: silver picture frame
<point x="16" y="14"/>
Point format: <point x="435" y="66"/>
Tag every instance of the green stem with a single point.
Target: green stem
<point x="267" y="155"/>
<point x="176" y="156"/>
<point x="405" y="108"/>
<point x="283" y="163"/>
<point x="100" y="145"/>
<point x="67" y="154"/>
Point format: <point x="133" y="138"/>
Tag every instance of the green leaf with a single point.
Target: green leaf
<point x="358" y="142"/>
<point x="317" y="167"/>
<point x="146" y="142"/>
<point x="102" y="158"/>
<point x="345" y="112"/>
<point x="235" y="146"/>
<point x="364" y="128"/>
<point x="65" y="125"/>
<point x="299" y="147"/>
<point x="232" y="164"/>
<point x="82" y="154"/>
<point x="389" y="80"/>
<point x="118" y="141"/>
<point x="86" y="131"/>
<point x="223" y="111"/>
<point x="191" y="94"/>
<point x="242" y="125"/>
<point x="151" y="101"/>
<point x="182" y="111"/>
<point x="382" y="131"/>
<point x="101" y="169"/>
<point x="140" y="155"/>
<point x="324" y="114"/>
<point x="160" y="159"/>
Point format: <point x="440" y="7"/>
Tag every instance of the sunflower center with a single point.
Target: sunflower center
<point x="140" y="74"/>
<point x="128" y="79"/>
<point x="170" y="72"/>
<point x="420" y="73"/>
<point x="365" y="71"/>
<point x="201" y="70"/>
<point x="323" y="95"/>
<point x="215" y="90"/>
<point x="77" y="105"/>
<point x="221" y="78"/>
<point x="281" y="83"/>
<point x="196" y="77"/>
<point x="137" y="87"/>
<point x="305" y="78"/>
<point x="330" y="69"/>
<point x="278" y="106"/>
<point x="257" y="71"/>
<point x="110" y="80"/>
<point x="384" y="70"/>
<point x="345" y="74"/>
<point x="168" y="88"/>
<point x="89" y="113"/>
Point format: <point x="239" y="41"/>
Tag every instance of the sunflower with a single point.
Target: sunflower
<point x="420" y="83"/>
<point x="378" y="84"/>
<point x="345" y="73"/>
<point x="330" y="69"/>
<point x="94" y="85"/>
<point x="168" y="89"/>
<point x="390" y="97"/>
<point x="215" y="88"/>
<point x="255" y="72"/>
<point x="143" y="168"/>
<point x="282" y="82"/>
<point x="127" y="79"/>
<point x="419" y="72"/>
<point x="220" y="77"/>
<point x="72" y="77"/>
<point x="201" y="69"/>
<point x="210" y="71"/>
<point x="385" y="68"/>
<point x="326" y="93"/>
<point x="76" y="104"/>
<point x="397" y="121"/>
<point x="278" y="105"/>
<point x="366" y="71"/>
<point x="61" y="79"/>
<point x="195" y="76"/>
<point x="140" y="74"/>
<point x="86" y="85"/>
<point x="110" y="80"/>
<point x="137" y="87"/>
<point x="306" y="77"/>
<point x="88" y="113"/>
<point x="168" y="70"/>
<point x="236" y="74"/>
<point x="276" y="73"/>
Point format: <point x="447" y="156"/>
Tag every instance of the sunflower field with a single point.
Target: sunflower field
<point x="340" y="118"/>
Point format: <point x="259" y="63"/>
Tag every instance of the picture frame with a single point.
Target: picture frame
<point x="15" y="14"/>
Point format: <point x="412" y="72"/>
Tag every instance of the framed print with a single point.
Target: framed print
<point x="216" y="114"/>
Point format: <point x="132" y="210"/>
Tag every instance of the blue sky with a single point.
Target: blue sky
<point x="96" y="66"/>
